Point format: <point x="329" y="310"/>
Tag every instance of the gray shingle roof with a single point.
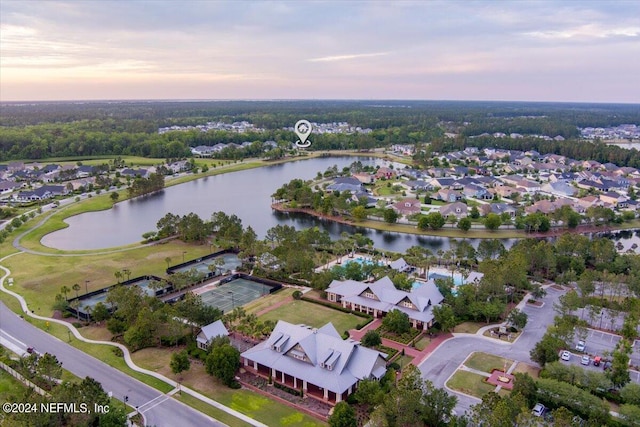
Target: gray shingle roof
<point x="307" y="353"/>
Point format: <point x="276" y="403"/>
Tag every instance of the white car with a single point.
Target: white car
<point x="581" y="346"/>
<point x="538" y="410"/>
<point x="566" y="356"/>
<point x="585" y="360"/>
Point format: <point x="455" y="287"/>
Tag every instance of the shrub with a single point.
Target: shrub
<point x="297" y="295"/>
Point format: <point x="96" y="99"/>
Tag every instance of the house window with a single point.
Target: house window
<point x="369" y="295"/>
<point x="407" y="304"/>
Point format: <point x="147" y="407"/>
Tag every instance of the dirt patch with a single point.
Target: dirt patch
<point x="535" y="303"/>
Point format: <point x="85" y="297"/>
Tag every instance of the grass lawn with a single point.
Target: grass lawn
<point x="39" y="278"/>
<point x="470" y="383"/>
<point x="313" y="315"/>
<point x="422" y="343"/>
<point x="403" y="361"/>
<point x="268" y="300"/>
<point x="98" y="333"/>
<point x="10" y="388"/>
<point x="468" y="327"/>
<point x="252" y="404"/>
<point x="525" y="368"/>
<point x="486" y="362"/>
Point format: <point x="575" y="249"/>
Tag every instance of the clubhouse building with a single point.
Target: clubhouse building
<point x="317" y="362"/>
<point x="381" y="296"/>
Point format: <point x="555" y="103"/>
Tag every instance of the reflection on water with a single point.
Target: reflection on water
<point x="246" y="194"/>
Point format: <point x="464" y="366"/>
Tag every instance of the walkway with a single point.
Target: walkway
<point x="127" y="355"/>
<point x="418" y="355"/>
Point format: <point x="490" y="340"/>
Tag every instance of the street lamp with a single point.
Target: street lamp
<point x="183" y="254"/>
<point x="232" y="301"/>
<point x="86" y="286"/>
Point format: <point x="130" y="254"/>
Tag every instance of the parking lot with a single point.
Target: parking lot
<point x="598" y="342"/>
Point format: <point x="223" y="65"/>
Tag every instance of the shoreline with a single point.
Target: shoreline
<point x="451" y="233"/>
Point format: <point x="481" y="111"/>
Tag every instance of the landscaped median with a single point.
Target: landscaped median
<point x="471" y="377"/>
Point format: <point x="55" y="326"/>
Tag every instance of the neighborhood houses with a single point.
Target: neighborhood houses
<point x="507" y="183"/>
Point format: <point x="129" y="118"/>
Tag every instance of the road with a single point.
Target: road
<point x="446" y="359"/>
<point x="158" y="409"/>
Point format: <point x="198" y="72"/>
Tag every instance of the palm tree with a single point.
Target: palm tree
<point x="75" y="304"/>
<point x="76" y="288"/>
<point x="118" y="275"/>
<point x="127" y="272"/>
<point x="65" y="290"/>
<point x="168" y="261"/>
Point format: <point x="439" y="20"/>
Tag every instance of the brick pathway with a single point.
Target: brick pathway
<point x="418" y="356"/>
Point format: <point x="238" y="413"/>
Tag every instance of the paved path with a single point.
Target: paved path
<point x="442" y="363"/>
<point x="44" y="341"/>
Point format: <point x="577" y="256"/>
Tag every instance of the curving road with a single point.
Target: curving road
<point x="158" y="409"/>
<point x="445" y="360"/>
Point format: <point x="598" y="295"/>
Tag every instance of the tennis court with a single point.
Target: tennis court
<point x="234" y="294"/>
<point x="231" y="262"/>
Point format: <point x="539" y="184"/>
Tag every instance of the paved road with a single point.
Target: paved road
<point x="159" y="410"/>
<point x="443" y="362"/>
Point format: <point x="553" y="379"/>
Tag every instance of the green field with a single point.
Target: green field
<point x="486" y="362"/>
<point x="38" y="278"/>
<point x="314" y="315"/>
<point x="470" y="383"/>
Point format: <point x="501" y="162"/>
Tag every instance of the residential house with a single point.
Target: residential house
<point x="547" y="206"/>
<point x="317" y="361"/>
<point x="41" y="193"/>
<point x="506" y="191"/>
<point x="615" y="199"/>
<point x="9" y="186"/>
<point x="346" y="184"/>
<point x="442" y="182"/>
<point x="364" y="177"/>
<point x="476" y="192"/>
<point x="380" y="297"/>
<point x="209" y="332"/>
<point x="449" y="196"/>
<point x="143" y="173"/>
<point x="384" y="172"/>
<point x="418" y="185"/>
<point x="407" y="207"/>
<point x="498" y="209"/>
<point x="202" y="151"/>
<point x="359" y="196"/>
<point x="559" y="188"/>
<point x="457" y="209"/>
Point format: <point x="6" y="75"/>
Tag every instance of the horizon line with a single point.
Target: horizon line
<point x="124" y="100"/>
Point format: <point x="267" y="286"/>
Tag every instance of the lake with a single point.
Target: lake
<point x="244" y="193"/>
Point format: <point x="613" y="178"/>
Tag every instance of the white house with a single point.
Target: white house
<point x="316" y="361"/>
<point x="209" y="332"/>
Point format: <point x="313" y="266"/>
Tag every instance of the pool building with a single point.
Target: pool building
<point x="380" y="297"/>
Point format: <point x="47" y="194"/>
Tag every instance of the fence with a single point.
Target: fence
<point x="15" y="374"/>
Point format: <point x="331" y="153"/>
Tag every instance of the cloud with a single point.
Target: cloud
<point x="585" y="32"/>
<point x="346" y="57"/>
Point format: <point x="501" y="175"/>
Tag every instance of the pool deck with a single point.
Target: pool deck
<point x="344" y="259"/>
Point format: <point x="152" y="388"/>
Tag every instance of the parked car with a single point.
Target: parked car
<point x="566" y="356"/>
<point x="606" y="365"/>
<point x="538" y="410"/>
<point x="581" y="346"/>
<point x="597" y="360"/>
<point x="585" y="360"/>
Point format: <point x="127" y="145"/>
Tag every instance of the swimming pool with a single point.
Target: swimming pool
<point x="362" y="261"/>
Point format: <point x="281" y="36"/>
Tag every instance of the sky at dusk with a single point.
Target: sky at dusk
<point x="583" y="51"/>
